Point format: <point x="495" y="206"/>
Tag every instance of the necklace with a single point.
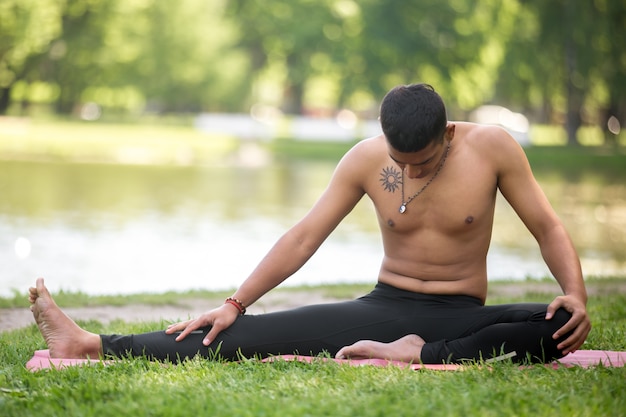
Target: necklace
<point x="402" y="208"/>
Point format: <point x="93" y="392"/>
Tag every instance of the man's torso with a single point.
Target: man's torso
<point x="439" y="244"/>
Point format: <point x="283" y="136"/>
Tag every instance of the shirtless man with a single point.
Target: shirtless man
<point x="433" y="184"/>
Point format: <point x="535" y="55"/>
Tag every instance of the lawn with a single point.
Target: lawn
<point x="250" y="388"/>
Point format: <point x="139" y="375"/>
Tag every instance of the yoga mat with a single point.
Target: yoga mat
<point x="584" y="358"/>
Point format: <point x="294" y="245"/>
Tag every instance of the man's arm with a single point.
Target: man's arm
<point x="519" y="187"/>
<point x="299" y="243"/>
<point x="292" y="250"/>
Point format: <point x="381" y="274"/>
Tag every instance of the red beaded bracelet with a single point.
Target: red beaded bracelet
<point x="238" y="304"/>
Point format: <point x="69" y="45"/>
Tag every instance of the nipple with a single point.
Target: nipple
<point x="469" y="219"/>
<point x="390" y="223"/>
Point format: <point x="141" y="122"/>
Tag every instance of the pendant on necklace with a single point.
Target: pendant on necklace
<point x="402" y="208"/>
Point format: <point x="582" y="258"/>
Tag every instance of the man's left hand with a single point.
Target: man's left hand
<point x="579" y="324"/>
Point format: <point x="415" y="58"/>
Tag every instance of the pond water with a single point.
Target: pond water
<point x="108" y="229"/>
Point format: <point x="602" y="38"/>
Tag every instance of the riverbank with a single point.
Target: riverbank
<point x="179" y="143"/>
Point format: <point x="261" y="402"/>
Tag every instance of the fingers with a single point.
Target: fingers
<point x="187" y="327"/>
<point x="212" y="334"/>
<point x="191" y="326"/>
<point x="177" y="327"/>
<point x="580" y="327"/>
<point x="184" y="327"/>
<point x="571" y="344"/>
<point x="217" y="321"/>
<point x="571" y="325"/>
<point x="553" y="307"/>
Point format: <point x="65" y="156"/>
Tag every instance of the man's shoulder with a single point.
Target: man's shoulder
<point x="484" y="136"/>
<point x="368" y="148"/>
<point x="373" y="143"/>
<point x="476" y="130"/>
<point x="364" y="156"/>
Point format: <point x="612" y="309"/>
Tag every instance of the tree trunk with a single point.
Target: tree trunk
<point x="574" y="95"/>
<point x="572" y="119"/>
<point x="293" y="99"/>
<point x="5" y="94"/>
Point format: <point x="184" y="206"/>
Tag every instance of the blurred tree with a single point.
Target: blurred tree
<point x="567" y="61"/>
<point x="27" y="27"/>
<point x="184" y="60"/>
<point x="174" y="56"/>
<point x="563" y="60"/>
<point x="610" y="65"/>
<point x="366" y="47"/>
<point x="74" y="60"/>
<point x="457" y="46"/>
<point x="288" y="34"/>
<point x="569" y="43"/>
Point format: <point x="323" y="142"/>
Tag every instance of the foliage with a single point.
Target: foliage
<point x="574" y="68"/>
<point x="558" y="61"/>
<point x="124" y="55"/>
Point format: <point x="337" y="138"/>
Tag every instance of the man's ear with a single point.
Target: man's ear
<point x="449" y="133"/>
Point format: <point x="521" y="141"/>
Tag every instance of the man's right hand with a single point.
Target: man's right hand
<point x="220" y="318"/>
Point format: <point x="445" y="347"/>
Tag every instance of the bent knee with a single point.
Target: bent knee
<point x="561" y="316"/>
<point x="546" y="327"/>
<point x="557" y="321"/>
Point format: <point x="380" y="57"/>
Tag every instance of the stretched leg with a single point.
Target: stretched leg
<point x="308" y="330"/>
<point x="62" y="335"/>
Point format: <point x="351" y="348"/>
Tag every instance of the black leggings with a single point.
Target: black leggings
<point x="455" y="327"/>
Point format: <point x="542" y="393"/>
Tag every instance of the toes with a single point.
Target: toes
<point x="41" y="288"/>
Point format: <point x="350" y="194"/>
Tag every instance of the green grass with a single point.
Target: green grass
<point x="84" y="142"/>
<point x="250" y="388"/>
<point x="80" y="299"/>
<point x="574" y="162"/>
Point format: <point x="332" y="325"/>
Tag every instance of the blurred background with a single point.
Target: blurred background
<point x="151" y="145"/>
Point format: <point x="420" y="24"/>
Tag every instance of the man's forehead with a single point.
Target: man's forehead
<point x="420" y="157"/>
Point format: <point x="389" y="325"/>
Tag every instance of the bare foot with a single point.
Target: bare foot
<point x="62" y="335"/>
<point x="406" y="349"/>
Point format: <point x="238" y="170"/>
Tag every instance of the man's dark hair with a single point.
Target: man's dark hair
<point x="413" y="116"/>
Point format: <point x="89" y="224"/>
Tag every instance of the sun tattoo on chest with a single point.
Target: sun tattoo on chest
<point x="391" y="179"/>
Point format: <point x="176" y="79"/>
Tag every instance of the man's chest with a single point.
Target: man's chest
<point x="456" y="198"/>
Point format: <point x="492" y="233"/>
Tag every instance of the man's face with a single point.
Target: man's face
<point x="422" y="163"/>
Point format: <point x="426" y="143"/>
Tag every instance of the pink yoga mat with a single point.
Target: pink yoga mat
<point x="585" y="358"/>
